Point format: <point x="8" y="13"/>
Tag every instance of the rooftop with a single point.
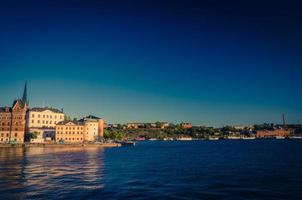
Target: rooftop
<point x="39" y="109"/>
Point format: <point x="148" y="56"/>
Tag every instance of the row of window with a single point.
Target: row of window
<point x="7" y="135"/>
<point x="69" y="128"/>
<point x="8" y="124"/>
<point x="2" y="139"/>
<point x="70" y="139"/>
<point x="8" y="118"/>
<point x="47" y="116"/>
<point x="68" y="133"/>
<point x="8" y="129"/>
<point x="44" y="122"/>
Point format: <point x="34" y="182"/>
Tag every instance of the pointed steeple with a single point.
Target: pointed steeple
<point x="24" y="98"/>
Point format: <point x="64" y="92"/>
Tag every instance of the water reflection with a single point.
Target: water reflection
<point x="49" y="172"/>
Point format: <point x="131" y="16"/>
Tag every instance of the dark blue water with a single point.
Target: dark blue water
<point x="256" y="169"/>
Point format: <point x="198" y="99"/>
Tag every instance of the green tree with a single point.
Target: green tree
<point x="30" y="136"/>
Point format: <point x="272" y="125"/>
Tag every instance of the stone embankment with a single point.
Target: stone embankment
<point x="30" y="145"/>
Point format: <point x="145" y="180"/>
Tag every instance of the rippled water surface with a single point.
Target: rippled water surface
<point x="257" y="169"/>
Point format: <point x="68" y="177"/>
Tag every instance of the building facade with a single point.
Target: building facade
<point x="13" y="121"/>
<point x="274" y="133"/>
<point x="88" y="129"/>
<point x="186" y="125"/>
<point x="44" y="117"/>
<point x="41" y="122"/>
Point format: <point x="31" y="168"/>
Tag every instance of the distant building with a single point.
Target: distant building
<point x="12" y="120"/>
<point x="165" y="125"/>
<point x="88" y="129"/>
<point x="134" y="125"/>
<point x="186" y="125"/>
<point x="273" y="133"/>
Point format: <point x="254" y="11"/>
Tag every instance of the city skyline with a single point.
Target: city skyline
<point x="212" y="64"/>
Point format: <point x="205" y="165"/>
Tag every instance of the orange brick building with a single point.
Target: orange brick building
<point x="273" y="133"/>
<point x="13" y="120"/>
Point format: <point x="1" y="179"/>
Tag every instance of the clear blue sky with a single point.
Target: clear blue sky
<point x="208" y="62"/>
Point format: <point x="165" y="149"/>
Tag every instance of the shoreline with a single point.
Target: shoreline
<point x="40" y="145"/>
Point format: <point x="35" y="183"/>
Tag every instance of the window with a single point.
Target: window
<point x="32" y="121"/>
<point x="16" y="134"/>
<point x="38" y="116"/>
<point x="38" y="121"/>
<point x="33" y="115"/>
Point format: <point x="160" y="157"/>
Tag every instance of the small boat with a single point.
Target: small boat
<point x="184" y="139"/>
<point x="280" y="137"/>
<point x="213" y="138"/>
<point x="234" y="138"/>
<point x="140" y="139"/>
<point x="295" y="137"/>
<point x="127" y="143"/>
<point x="249" y="138"/>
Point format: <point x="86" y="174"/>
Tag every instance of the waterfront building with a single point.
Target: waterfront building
<point x="42" y="135"/>
<point x="13" y="119"/>
<point x="88" y="129"/>
<point x="274" y="133"/>
<point x="42" y="123"/>
<point x="44" y="117"/>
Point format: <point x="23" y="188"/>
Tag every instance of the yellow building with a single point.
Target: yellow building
<point x="69" y="132"/>
<point x="88" y="129"/>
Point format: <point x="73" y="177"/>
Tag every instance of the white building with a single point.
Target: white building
<point x="44" y="117"/>
<point x="42" y="123"/>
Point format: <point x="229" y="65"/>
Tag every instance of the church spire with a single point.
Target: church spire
<point x="24" y="98"/>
